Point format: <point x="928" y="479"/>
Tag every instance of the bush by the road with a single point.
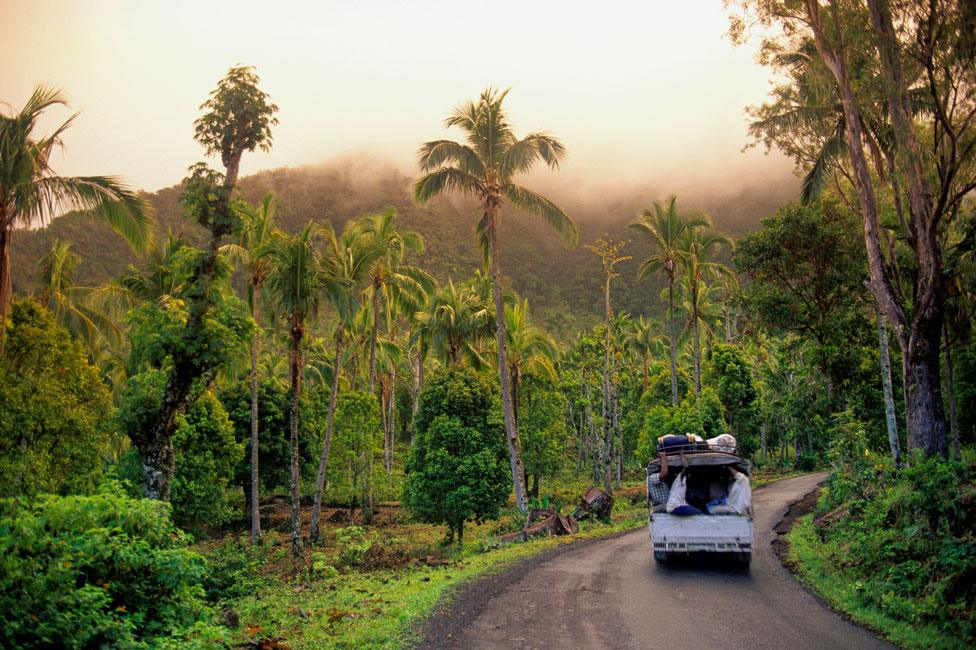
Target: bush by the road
<point x="900" y="543"/>
<point x="101" y="571"/>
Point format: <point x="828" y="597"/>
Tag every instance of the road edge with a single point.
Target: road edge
<point x="436" y="630"/>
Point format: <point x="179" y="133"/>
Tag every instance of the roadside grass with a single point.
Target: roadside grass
<point x="328" y="605"/>
<point x="842" y="591"/>
<point x="380" y="603"/>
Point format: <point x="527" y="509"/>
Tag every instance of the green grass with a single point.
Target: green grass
<point x="382" y="608"/>
<point x="842" y="592"/>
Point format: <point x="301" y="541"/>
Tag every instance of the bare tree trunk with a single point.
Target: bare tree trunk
<point x="889" y="397"/>
<point x="297" y="334"/>
<point x="392" y="417"/>
<point x="607" y="418"/>
<point x="672" y="342"/>
<point x="951" y="397"/>
<point x="6" y="291"/>
<point x="255" y="439"/>
<point x="372" y="340"/>
<point x="514" y="446"/>
<point x="327" y="443"/>
<point x="697" y="352"/>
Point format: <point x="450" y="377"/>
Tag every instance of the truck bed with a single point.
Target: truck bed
<point x="701" y="533"/>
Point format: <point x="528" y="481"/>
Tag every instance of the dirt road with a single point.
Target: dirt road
<point x="611" y="594"/>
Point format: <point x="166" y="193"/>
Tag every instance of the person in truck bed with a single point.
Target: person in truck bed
<point x="658" y="490"/>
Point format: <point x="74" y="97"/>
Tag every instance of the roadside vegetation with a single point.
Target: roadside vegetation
<point x="295" y="427"/>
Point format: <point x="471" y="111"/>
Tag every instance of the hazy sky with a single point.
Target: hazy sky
<point x="640" y="92"/>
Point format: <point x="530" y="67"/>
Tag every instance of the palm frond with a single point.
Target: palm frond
<point x="551" y="213"/>
<point x="445" y="179"/>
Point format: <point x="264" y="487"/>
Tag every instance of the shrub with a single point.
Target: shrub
<point x="702" y="415"/>
<point x="206" y="451"/>
<point x="98" y="571"/>
<point x="458" y="467"/>
<point x="352" y="544"/>
<point x="55" y="411"/>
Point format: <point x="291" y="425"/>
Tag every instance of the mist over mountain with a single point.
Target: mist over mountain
<point x="564" y="286"/>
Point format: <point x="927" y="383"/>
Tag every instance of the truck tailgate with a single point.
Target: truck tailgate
<point x="716" y="533"/>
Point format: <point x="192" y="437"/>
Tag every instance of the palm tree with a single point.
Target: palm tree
<point x="665" y="227"/>
<point x="453" y="323"/>
<point x="71" y="304"/>
<point x="640" y="338"/>
<point x="254" y="254"/>
<point x="32" y="194"/>
<point x="697" y="248"/>
<point x="389" y="278"/>
<point x="298" y="277"/>
<point x="351" y="256"/>
<point x="486" y="167"/>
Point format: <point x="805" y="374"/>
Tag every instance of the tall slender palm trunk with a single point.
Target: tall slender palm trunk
<point x="327" y="443"/>
<point x="607" y="416"/>
<point x="694" y="319"/>
<point x="372" y="340"/>
<point x="297" y="333"/>
<point x="6" y="233"/>
<point x="255" y="440"/>
<point x="501" y="337"/>
<point x="672" y="343"/>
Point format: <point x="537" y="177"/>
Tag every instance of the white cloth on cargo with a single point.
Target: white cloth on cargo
<point x="724" y="442"/>
<point x="740" y="494"/>
<point x="676" y="498"/>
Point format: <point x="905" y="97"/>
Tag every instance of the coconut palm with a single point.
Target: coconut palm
<point x="299" y="276"/>
<point x="352" y="256"/>
<point x="641" y="339"/>
<point x="665" y="227"/>
<point x="253" y="253"/>
<point x="486" y="167"/>
<point x="453" y="323"/>
<point x="697" y="249"/>
<point x="32" y="194"/>
<point x="531" y="351"/>
<point x="390" y="280"/>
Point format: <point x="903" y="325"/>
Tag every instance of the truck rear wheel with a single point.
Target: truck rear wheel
<point x="661" y="556"/>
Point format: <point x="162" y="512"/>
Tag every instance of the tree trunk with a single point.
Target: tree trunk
<point x="255" y="440"/>
<point x="951" y="397"/>
<point x="694" y="320"/>
<point x="327" y="443"/>
<point x="889" y="396"/>
<point x="607" y="423"/>
<point x="392" y="419"/>
<point x="297" y="333"/>
<point x="920" y="337"/>
<point x="672" y="342"/>
<point x="501" y="337"/>
<point x="6" y="291"/>
<point x="372" y="340"/>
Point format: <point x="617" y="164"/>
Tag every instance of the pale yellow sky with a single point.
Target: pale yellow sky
<point x="640" y="92"/>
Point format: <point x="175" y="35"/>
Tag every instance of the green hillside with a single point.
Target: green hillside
<point x="563" y="286"/>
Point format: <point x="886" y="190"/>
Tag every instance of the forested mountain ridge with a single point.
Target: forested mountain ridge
<point x="563" y="285"/>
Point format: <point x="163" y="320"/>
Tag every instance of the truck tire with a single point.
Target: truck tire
<point x="661" y="557"/>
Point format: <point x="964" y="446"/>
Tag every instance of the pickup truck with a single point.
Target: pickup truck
<point x="673" y="535"/>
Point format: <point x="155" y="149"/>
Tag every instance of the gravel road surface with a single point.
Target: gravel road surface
<point x="611" y="594"/>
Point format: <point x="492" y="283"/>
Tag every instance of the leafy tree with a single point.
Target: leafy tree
<point x="486" y="167"/>
<point x="238" y="119"/>
<point x="55" y="412"/>
<point x="357" y="440"/>
<point x="665" y="228"/>
<point x="542" y="423"/>
<point x="31" y="193"/>
<point x="100" y="571"/>
<point x="703" y="415"/>
<point x="456" y="469"/>
<point x="730" y="374"/>
<point x="919" y="88"/>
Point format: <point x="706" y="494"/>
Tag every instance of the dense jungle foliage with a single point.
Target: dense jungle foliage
<point x="279" y="362"/>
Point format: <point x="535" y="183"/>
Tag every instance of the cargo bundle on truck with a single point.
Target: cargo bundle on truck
<point x="699" y="499"/>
